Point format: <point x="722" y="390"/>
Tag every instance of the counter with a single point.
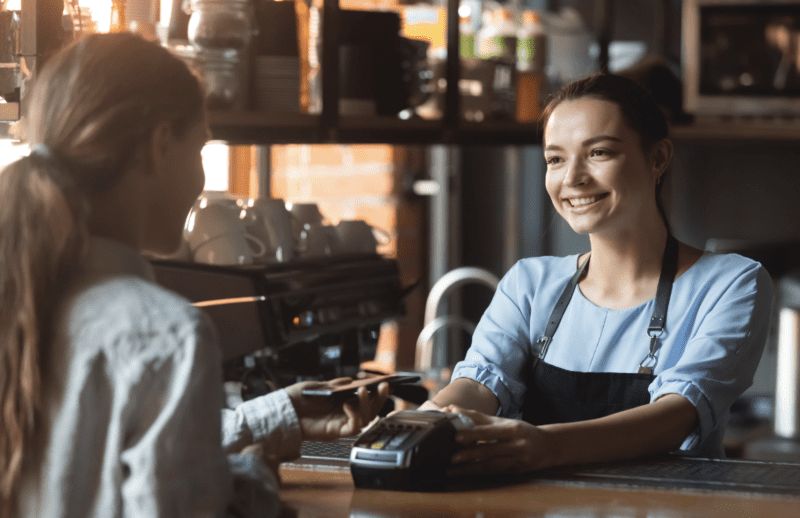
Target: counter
<point x="309" y="492"/>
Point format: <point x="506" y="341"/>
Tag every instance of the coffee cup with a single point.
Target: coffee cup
<point x="183" y="253"/>
<point x="355" y="237"/>
<point x="268" y="219"/>
<point x="228" y="249"/>
<point x="317" y="240"/>
<point x="304" y="214"/>
<point x="209" y="223"/>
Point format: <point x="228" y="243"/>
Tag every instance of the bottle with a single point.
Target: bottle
<point x="498" y="39"/>
<point x="531" y="44"/>
<point x="531" y="61"/>
<point x="118" y="23"/>
<point x="467" y="37"/>
<point x="485" y="33"/>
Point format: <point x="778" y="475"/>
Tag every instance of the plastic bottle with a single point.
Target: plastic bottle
<point x="531" y="44"/>
<point x="486" y="31"/>
<point x="531" y="59"/>
<point x="467" y="37"/>
<point x="118" y="23"/>
<point x="499" y="38"/>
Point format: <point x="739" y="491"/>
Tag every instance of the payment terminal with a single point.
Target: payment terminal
<point x="407" y="451"/>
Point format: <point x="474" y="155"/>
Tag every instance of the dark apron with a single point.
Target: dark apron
<point x="556" y="395"/>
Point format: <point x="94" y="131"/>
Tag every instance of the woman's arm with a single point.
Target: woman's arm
<point x="464" y="393"/>
<point x="281" y="420"/>
<point x="497" y="445"/>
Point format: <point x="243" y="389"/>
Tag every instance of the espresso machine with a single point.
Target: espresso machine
<point x="278" y="324"/>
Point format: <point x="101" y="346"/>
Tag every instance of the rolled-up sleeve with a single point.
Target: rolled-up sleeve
<point x="499" y="347"/>
<point x="270" y="419"/>
<point x="717" y="364"/>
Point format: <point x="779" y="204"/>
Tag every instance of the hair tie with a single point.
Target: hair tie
<point x="56" y="170"/>
<point x="43" y="151"/>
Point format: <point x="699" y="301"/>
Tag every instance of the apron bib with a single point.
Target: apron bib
<point x="556" y="395"/>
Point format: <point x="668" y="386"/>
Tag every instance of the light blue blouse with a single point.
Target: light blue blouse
<point x="716" y="328"/>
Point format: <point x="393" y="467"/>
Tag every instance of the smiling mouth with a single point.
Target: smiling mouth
<point x="586" y="200"/>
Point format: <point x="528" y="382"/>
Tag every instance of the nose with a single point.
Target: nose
<point x="576" y="173"/>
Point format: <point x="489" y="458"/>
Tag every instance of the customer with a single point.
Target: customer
<point x="636" y="348"/>
<point x="110" y="386"/>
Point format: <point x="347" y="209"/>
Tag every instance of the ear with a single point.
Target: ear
<point x="158" y="147"/>
<point x="661" y="157"/>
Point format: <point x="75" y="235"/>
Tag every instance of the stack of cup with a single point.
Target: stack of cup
<point x="313" y="237"/>
<point x="216" y="233"/>
<point x="268" y="220"/>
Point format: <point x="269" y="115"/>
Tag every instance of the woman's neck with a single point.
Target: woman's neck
<point x="117" y="213"/>
<point x="625" y="266"/>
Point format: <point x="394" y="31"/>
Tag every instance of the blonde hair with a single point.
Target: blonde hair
<point x="91" y="109"/>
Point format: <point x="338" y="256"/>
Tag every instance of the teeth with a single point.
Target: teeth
<point x="577" y="202"/>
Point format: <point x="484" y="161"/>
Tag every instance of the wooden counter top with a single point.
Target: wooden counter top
<point x="331" y="494"/>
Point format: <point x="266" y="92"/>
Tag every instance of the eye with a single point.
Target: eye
<point x="600" y="152"/>
<point x="553" y="160"/>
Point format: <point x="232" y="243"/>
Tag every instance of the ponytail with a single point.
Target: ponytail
<point x="42" y="234"/>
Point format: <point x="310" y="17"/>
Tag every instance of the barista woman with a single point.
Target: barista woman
<point x="110" y="386"/>
<point x="635" y="348"/>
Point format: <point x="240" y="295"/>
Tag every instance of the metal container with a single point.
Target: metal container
<point x="787" y="387"/>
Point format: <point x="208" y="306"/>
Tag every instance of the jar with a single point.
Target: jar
<point x="221" y="24"/>
<point x="223" y="78"/>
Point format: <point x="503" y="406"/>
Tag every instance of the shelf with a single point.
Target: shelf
<point x="736" y="130"/>
<point x="241" y="127"/>
<point x="294" y="128"/>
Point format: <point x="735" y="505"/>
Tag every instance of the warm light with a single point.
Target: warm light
<point x="10" y="151"/>
<point x="14" y="5"/>
<point x="216" y="165"/>
<point x="100" y="11"/>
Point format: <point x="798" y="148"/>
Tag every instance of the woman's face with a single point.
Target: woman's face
<point x="182" y="181"/>
<point x="598" y="177"/>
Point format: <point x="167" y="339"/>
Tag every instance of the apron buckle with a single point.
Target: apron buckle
<point x="648" y="369"/>
<point x="540" y="346"/>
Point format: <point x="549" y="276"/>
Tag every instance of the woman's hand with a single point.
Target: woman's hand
<point x="497" y="445"/>
<point x="325" y="419"/>
<point x="430" y="405"/>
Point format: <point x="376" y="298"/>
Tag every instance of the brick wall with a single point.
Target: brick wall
<point x="366" y="182"/>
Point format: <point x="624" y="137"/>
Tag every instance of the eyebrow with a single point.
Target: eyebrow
<point x="587" y="142"/>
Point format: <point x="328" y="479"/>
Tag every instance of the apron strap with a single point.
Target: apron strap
<point x="669" y="267"/>
<point x="540" y="346"/>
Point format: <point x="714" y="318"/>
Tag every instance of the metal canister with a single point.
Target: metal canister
<point x="787" y="387"/>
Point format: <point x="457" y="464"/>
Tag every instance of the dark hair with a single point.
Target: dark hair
<point x="639" y="110"/>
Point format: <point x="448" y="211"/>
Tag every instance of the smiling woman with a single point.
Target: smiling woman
<point x="641" y="350"/>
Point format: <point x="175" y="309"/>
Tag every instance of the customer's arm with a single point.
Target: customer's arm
<point x="281" y="420"/>
<point x="173" y="463"/>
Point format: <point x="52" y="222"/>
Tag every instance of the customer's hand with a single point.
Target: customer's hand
<point x="325" y="419"/>
<point x="497" y="445"/>
<point x="270" y="460"/>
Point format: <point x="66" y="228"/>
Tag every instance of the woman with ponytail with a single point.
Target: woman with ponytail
<point x="110" y="386"/>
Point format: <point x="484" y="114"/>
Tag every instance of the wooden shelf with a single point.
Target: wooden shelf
<point x="736" y="130"/>
<point x="294" y="128"/>
<point x="241" y="127"/>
